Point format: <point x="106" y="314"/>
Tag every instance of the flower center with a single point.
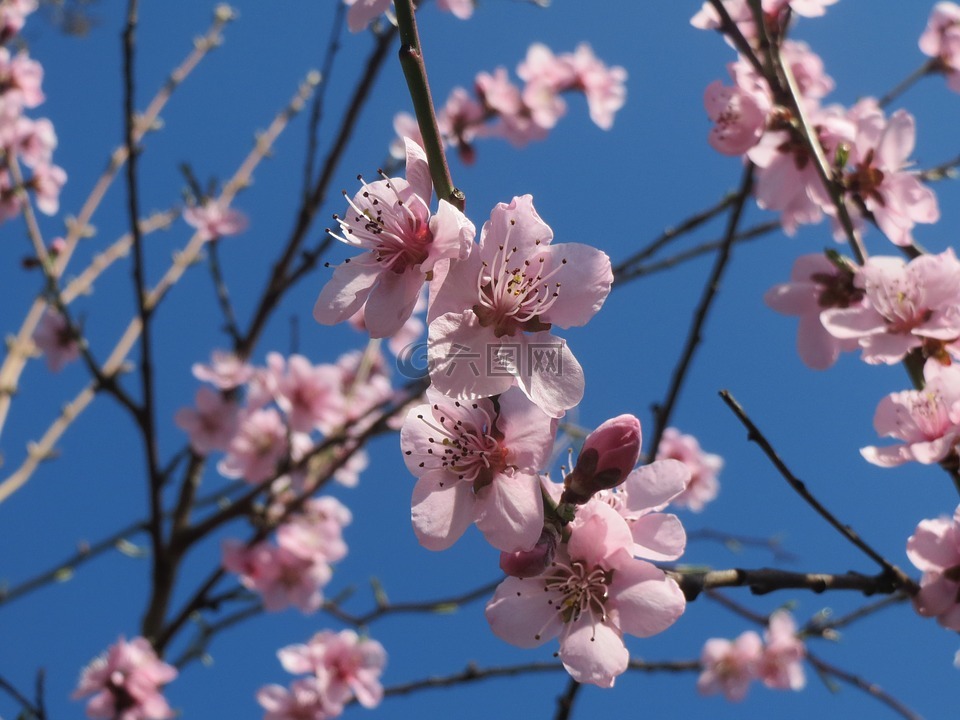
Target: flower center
<point x="515" y="292"/>
<point x="584" y="590"/>
<point x="474" y="453"/>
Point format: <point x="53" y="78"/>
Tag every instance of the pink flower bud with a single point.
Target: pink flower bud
<point x="530" y="563"/>
<point x="609" y="454"/>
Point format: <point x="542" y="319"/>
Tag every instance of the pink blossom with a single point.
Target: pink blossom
<point x="907" y="304"/>
<point x="934" y="548"/>
<point x="13" y="16"/>
<point x="257" y="448"/>
<point x="56" y="340"/>
<point x="927" y="421"/>
<point x="490" y="321"/>
<point x="542" y="67"/>
<point x="350" y="665"/>
<point x="530" y="563"/>
<point x="316" y="533"/>
<point x="879" y="175"/>
<point x="47" y="181"/>
<point x="364" y="384"/>
<point x="460" y="119"/>
<point x="412" y="329"/>
<point x="786" y="180"/>
<point x="816" y="284"/>
<point x="306" y="699"/>
<point x="391" y="220"/>
<point x="477" y="465"/>
<point x="592" y="594"/>
<point x="125" y="683"/>
<point x="362" y="12"/>
<point x="460" y="9"/>
<point x="405" y="126"/>
<point x="729" y="667"/>
<point x="518" y="122"/>
<point x="941" y="40"/>
<point x="11" y="203"/>
<point x="608" y="455"/>
<point x="213" y="221"/>
<point x="708" y="19"/>
<point x="33" y="140"/>
<point x="703" y="466"/>
<point x="212" y="425"/>
<point x="646" y="491"/>
<point x="281" y="577"/>
<point x="604" y="87"/>
<point x="309" y="395"/>
<point x="225" y="371"/>
<point x="781" y="664"/>
<point x="740" y="118"/>
<point x="20" y="78"/>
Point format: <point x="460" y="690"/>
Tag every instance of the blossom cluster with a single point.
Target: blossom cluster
<point x="499" y="108"/>
<point x="934" y="548"/>
<point x="893" y="309"/>
<point x="729" y="666"/>
<point x="868" y="152"/>
<point x="339" y="667"/>
<point x="24" y="141"/>
<point x="578" y="554"/>
<point x="125" y="683"/>
<point x="270" y="438"/>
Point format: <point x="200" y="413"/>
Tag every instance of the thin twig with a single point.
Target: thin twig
<point x="735" y="541"/>
<point x="20" y="350"/>
<point x="28" y="706"/>
<point x="866" y="686"/>
<point x="895" y="576"/>
<point x="415" y="72"/>
<point x="279" y="281"/>
<point x="222" y="291"/>
<point x="670" y="234"/>
<point x="473" y="673"/>
<point x="681" y="257"/>
<point x="826" y="626"/>
<point x="663" y="412"/>
<point x="428" y="606"/>
<point x="928" y="68"/>
<point x="316" y="107"/>
<point x="62" y="570"/>
<point x="182" y="260"/>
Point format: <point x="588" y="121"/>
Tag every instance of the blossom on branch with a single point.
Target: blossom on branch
<point x="934" y="548"/>
<point x="477" y="463"/>
<point x="490" y="321"/>
<point x="391" y="221"/>
<point x="125" y="683"/>
<point x="593" y="592"/>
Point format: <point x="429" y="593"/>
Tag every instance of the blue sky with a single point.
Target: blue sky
<point x="615" y="190"/>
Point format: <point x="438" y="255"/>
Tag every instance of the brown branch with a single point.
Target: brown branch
<point x="430" y="606"/>
<point x="663" y="412"/>
<point x="473" y="673"/>
<point x="670" y="234"/>
<point x="63" y="570"/>
<point x="895" y="576"/>
<point x="21" y="348"/>
<point x="866" y="686"/>
<point x="279" y="281"/>
<point x="767" y="580"/>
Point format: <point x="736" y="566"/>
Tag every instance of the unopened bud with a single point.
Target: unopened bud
<point x="530" y="563"/>
<point x="609" y="454"/>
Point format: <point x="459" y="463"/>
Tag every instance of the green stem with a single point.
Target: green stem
<point x="415" y="72"/>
